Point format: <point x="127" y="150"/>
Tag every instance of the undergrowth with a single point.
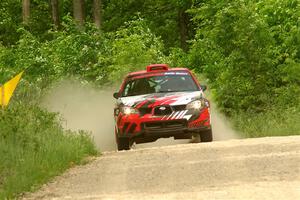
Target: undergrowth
<point x="272" y="123"/>
<point x="34" y="148"/>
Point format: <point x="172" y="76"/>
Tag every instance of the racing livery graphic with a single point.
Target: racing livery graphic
<point x="161" y="102"/>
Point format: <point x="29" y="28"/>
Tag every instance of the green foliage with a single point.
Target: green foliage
<point x="91" y="55"/>
<point x="249" y="50"/>
<point x="162" y="17"/>
<point x="40" y="18"/>
<point x="282" y="122"/>
<point x="10" y="18"/>
<point x="177" y="57"/>
<point x="34" y="148"/>
<point x="133" y="47"/>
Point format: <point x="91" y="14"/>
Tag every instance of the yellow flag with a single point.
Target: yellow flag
<point x="7" y="90"/>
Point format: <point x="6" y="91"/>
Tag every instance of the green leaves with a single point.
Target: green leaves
<point x="133" y="48"/>
<point x="248" y="50"/>
<point x="90" y="55"/>
<point x="34" y="148"/>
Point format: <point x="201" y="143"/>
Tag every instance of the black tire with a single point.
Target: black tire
<point x="123" y="144"/>
<point x="206" y="136"/>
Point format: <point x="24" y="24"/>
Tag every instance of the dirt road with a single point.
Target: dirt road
<point x="265" y="168"/>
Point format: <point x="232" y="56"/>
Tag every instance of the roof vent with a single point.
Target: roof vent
<point x="157" y="67"/>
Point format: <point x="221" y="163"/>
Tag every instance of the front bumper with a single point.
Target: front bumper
<point x="169" y="127"/>
<point x="164" y="129"/>
<point x="148" y="126"/>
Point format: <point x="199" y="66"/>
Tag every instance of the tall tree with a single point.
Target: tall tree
<point x="97" y="5"/>
<point x="183" y="22"/>
<point x="26" y="11"/>
<point x="78" y="11"/>
<point x="55" y="13"/>
<point x="166" y="18"/>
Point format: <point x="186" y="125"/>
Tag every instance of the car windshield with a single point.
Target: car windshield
<point x="168" y="82"/>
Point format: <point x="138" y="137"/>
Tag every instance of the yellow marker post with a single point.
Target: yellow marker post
<point x="2" y="96"/>
<point x="8" y="89"/>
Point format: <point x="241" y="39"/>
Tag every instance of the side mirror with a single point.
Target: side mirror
<point x="203" y="87"/>
<point x="116" y="95"/>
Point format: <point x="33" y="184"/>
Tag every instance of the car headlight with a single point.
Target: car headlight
<point x="195" y="105"/>
<point x="128" y="110"/>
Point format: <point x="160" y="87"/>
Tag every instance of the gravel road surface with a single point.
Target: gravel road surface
<point x="263" y="168"/>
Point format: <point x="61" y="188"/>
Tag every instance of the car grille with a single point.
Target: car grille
<point x="164" y="126"/>
<point x="144" y="111"/>
<point x="162" y="110"/>
<point x="179" y="107"/>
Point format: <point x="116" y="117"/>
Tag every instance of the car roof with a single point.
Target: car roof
<point x="146" y="72"/>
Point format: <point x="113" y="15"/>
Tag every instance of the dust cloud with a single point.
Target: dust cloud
<point x="222" y="129"/>
<point x="85" y="108"/>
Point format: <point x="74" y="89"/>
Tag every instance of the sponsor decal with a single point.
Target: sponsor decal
<point x="187" y="117"/>
<point x="177" y="73"/>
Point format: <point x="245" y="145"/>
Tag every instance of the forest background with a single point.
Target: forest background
<point x="247" y="50"/>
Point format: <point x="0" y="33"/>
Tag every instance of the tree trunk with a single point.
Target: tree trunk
<point x="183" y="27"/>
<point x="55" y="13"/>
<point x="97" y="13"/>
<point x="78" y="11"/>
<point x="26" y="11"/>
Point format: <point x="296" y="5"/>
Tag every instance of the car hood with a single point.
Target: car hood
<point x="156" y="99"/>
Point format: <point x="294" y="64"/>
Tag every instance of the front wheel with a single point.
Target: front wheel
<point x="123" y="143"/>
<point x="206" y="136"/>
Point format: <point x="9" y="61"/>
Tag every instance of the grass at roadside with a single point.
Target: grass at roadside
<point x="34" y="148"/>
<point x="276" y="122"/>
<point x="270" y="123"/>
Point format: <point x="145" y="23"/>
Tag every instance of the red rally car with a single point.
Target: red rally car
<point x="161" y="102"/>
